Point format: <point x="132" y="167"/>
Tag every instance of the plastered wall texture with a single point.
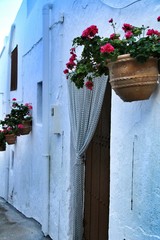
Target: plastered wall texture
<point x="26" y="179"/>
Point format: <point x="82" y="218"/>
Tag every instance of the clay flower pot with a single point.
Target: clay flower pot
<point x="27" y="127"/>
<point x="131" y="80"/>
<point x="11" y="138"/>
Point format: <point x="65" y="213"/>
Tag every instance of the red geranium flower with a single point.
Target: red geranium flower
<point x="73" y="57"/>
<point x="114" y="36"/>
<point x="90" y="31"/>
<point x="72" y="50"/>
<point x="128" y="34"/>
<point x="89" y="85"/>
<point x="29" y="106"/>
<point x="20" y="126"/>
<point x="70" y="65"/>
<point x="127" y="27"/>
<point x="107" y="48"/>
<point x="151" y="32"/>
<point x="66" y="71"/>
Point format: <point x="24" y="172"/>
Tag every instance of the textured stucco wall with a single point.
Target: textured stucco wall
<point x="134" y="199"/>
<point x="26" y="185"/>
<point x="134" y="195"/>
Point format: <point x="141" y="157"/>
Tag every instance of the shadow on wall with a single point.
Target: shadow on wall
<point x="119" y="4"/>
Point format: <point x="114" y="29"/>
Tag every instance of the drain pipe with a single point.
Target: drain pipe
<point x="7" y="101"/>
<point x="46" y="115"/>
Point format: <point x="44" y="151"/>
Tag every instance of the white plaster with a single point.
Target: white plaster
<point x="135" y="185"/>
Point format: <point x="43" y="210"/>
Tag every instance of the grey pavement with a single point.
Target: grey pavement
<point x="15" y="226"/>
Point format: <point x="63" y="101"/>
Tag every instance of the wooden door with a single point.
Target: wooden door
<point x="97" y="177"/>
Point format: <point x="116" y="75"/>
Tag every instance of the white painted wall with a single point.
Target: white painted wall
<point x="135" y="126"/>
<point x="134" y="200"/>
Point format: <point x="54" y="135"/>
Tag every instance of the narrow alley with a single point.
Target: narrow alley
<point x="15" y="226"/>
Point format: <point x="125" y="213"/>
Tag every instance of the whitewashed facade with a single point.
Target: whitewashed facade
<point x="36" y="172"/>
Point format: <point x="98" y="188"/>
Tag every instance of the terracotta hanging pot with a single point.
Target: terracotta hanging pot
<point x="2" y="147"/>
<point x="131" y="80"/>
<point x="27" y="127"/>
<point x="11" y="138"/>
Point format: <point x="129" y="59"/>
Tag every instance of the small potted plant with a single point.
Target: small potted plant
<point x="105" y="55"/>
<point x="10" y="129"/>
<point x="12" y="123"/>
<point x="2" y="140"/>
<point x="18" y="121"/>
<point x="10" y="135"/>
<point x="22" y="112"/>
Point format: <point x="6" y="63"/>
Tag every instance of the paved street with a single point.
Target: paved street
<point x="15" y="226"/>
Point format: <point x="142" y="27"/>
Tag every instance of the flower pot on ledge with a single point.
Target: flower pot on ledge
<point x="10" y="138"/>
<point x="27" y="127"/>
<point x="131" y="80"/>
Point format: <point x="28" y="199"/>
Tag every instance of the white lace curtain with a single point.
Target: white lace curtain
<point x="85" y="108"/>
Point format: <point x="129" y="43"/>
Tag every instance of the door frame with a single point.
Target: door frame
<point x="106" y="101"/>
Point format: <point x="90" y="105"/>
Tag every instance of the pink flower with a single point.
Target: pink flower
<point x="72" y="50"/>
<point x="14" y="99"/>
<point x="20" y="126"/>
<point x="89" y="85"/>
<point x="29" y="106"/>
<point x="73" y="57"/>
<point x="151" y="32"/>
<point x="93" y="30"/>
<point x="156" y="32"/>
<point x="66" y="71"/>
<point x="128" y="34"/>
<point x="70" y="65"/>
<point x="114" y="36"/>
<point x="85" y="33"/>
<point x="90" y="31"/>
<point x="110" y="20"/>
<point x="107" y="48"/>
<point x="158" y="18"/>
<point x="127" y="27"/>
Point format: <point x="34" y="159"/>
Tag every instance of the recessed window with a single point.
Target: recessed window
<point x="14" y="69"/>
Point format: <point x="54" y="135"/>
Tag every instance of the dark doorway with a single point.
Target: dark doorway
<point x="97" y="177"/>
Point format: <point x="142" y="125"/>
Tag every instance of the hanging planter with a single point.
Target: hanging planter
<point x="11" y="138"/>
<point x="27" y="127"/>
<point x="132" y="80"/>
<point x="101" y="55"/>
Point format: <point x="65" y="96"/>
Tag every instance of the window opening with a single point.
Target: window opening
<point x="14" y="69"/>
